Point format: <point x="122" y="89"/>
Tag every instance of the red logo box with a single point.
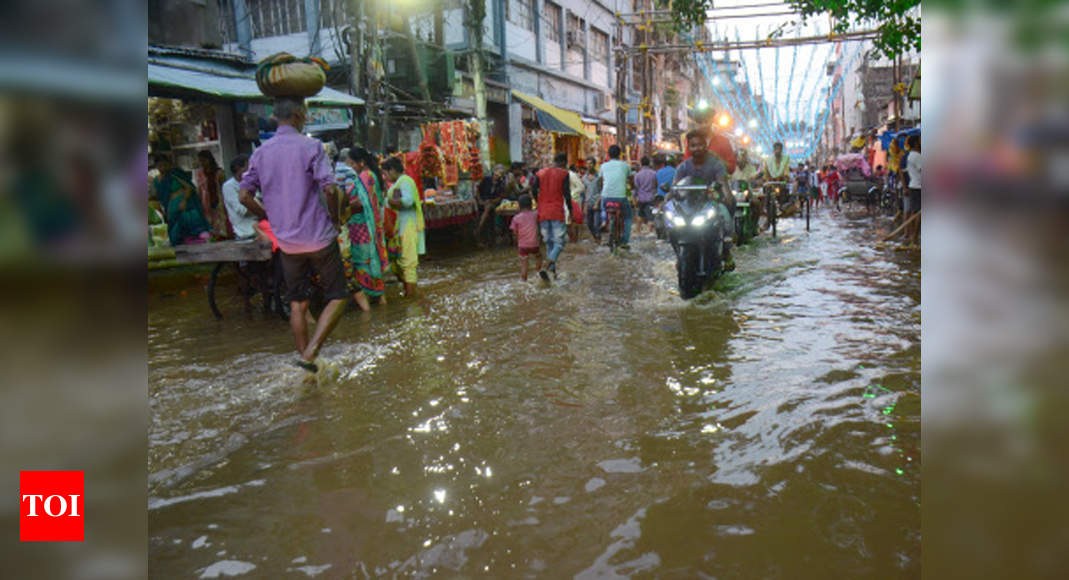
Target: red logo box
<point x="51" y="506"/>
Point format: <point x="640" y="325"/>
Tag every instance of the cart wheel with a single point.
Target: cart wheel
<point x="211" y="291"/>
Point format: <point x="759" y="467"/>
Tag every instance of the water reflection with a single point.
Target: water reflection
<point x="468" y="432"/>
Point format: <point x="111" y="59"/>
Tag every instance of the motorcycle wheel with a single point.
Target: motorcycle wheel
<point x="690" y="285"/>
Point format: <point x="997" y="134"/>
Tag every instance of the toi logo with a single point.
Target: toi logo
<point x="50" y="506"/>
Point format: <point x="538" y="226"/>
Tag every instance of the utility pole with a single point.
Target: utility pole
<point x="376" y="112"/>
<point x="621" y="86"/>
<point x="894" y="90"/>
<point x="421" y="73"/>
<point x="647" y="96"/>
<point x="476" y="16"/>
<point x="356" y="60"/>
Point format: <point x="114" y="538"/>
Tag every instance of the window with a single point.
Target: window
<point x="575" y="32"/>
<point x="276" y="17"/>
<point x="551" y="22"/>
<point x="600" y="49"/>
<point x="521" y="13"/>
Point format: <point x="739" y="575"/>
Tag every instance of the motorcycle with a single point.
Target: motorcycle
<point x="697" y="227"/>
<point x="660" y="227"/>
<point x="745" y="215"/>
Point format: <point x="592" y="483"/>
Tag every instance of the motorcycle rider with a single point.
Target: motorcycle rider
<point x="744" y="179"/>
<point x="711" y="170"/>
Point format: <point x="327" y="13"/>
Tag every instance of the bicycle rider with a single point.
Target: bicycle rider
<point x="776" y="168"/>
<point x="613" y="179"/>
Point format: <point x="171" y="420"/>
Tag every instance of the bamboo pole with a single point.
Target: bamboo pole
<point x="902" y="227"/>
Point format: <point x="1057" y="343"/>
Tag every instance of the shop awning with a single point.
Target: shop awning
<point x="166" y="81"/>
<point x="554" y="118"/>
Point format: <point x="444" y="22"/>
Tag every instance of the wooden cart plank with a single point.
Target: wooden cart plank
<point x="250" y="251"/>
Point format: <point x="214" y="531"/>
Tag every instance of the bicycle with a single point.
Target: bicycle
<point x="614" y="216"/>
<point x="773" y="190"/>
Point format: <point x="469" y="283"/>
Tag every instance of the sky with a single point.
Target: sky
<point x="791" y="79"/>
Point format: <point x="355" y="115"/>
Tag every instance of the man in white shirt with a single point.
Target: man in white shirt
<point x="241" y="219"/>
<point x="913" y="191"/>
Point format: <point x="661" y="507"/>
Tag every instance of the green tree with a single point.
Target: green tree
<point x="898" y="21"/>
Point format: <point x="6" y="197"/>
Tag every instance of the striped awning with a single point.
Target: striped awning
<point x="167" y="81"/>
<point x="553" y="118"/>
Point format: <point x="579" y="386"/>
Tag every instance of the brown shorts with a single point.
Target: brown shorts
<point x="535" y="251"/>
<point x="298" y="268"/>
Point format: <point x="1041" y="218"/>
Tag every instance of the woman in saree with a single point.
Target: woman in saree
<point x="210" y="178"/>
<point x="362" y="240"/>
<point x="180" y="203"/>
<point x="403" y="197"/>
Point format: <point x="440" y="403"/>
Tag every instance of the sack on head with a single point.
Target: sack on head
<point x="284" y="75"/>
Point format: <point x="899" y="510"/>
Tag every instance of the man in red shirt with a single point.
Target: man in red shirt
<point x="552" y="189"/>
<point x="720" y="146"/>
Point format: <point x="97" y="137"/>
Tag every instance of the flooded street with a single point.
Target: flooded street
<point x="598" y="428"/>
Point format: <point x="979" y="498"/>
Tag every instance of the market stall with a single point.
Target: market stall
<point x="445" y="212"/>
<point x="447" y="166"/>
<point x="201" y="101"/>
<point x="548" y="129"/>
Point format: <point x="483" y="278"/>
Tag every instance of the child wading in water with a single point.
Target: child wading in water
<point x="525" y="224"/>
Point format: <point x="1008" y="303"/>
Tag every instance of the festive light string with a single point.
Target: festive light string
<point x="730" y="98"/>
<point x="813" y="94"/>
<point x="790" y="84"/>
<point x="702" y="62"/>
<point x="819" y="128"/>
<point x="764" y="94"/>
<point x="763" y="127"/>
<point x="811" y="130"/>
<point x="775" y="95"/>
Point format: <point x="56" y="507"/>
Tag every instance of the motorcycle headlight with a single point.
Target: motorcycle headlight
<point x="698" y="221"/>
<point x="679" y="221"/>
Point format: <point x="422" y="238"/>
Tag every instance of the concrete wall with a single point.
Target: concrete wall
<point x="521" y="42"/>
<point x="599" y="75"/>
<point x="453" y="28"/>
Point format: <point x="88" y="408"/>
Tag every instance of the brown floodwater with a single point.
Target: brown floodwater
<point x="598" y="428"/>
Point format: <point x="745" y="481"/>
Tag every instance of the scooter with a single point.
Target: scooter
<point x="695" y="226"/>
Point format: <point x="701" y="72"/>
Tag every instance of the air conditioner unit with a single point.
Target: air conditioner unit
<point x="602" y="102"/>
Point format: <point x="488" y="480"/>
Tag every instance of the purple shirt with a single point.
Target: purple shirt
<point x="291" y="170"/>
<point x="645" y="185"/>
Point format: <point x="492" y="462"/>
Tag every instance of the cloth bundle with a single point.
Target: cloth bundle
<point x="284" y="75"/>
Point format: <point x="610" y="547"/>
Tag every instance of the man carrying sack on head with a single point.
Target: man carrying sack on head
<point x="301" y="202"/>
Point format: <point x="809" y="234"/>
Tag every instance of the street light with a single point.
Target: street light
<point x="753" y="123"/>
<point x="716" y="81"/>
<point x="745" y="139"/>
<point x="723" y="120"/>
<point x="703" y="104"/>
<point x="738" y="131"/>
